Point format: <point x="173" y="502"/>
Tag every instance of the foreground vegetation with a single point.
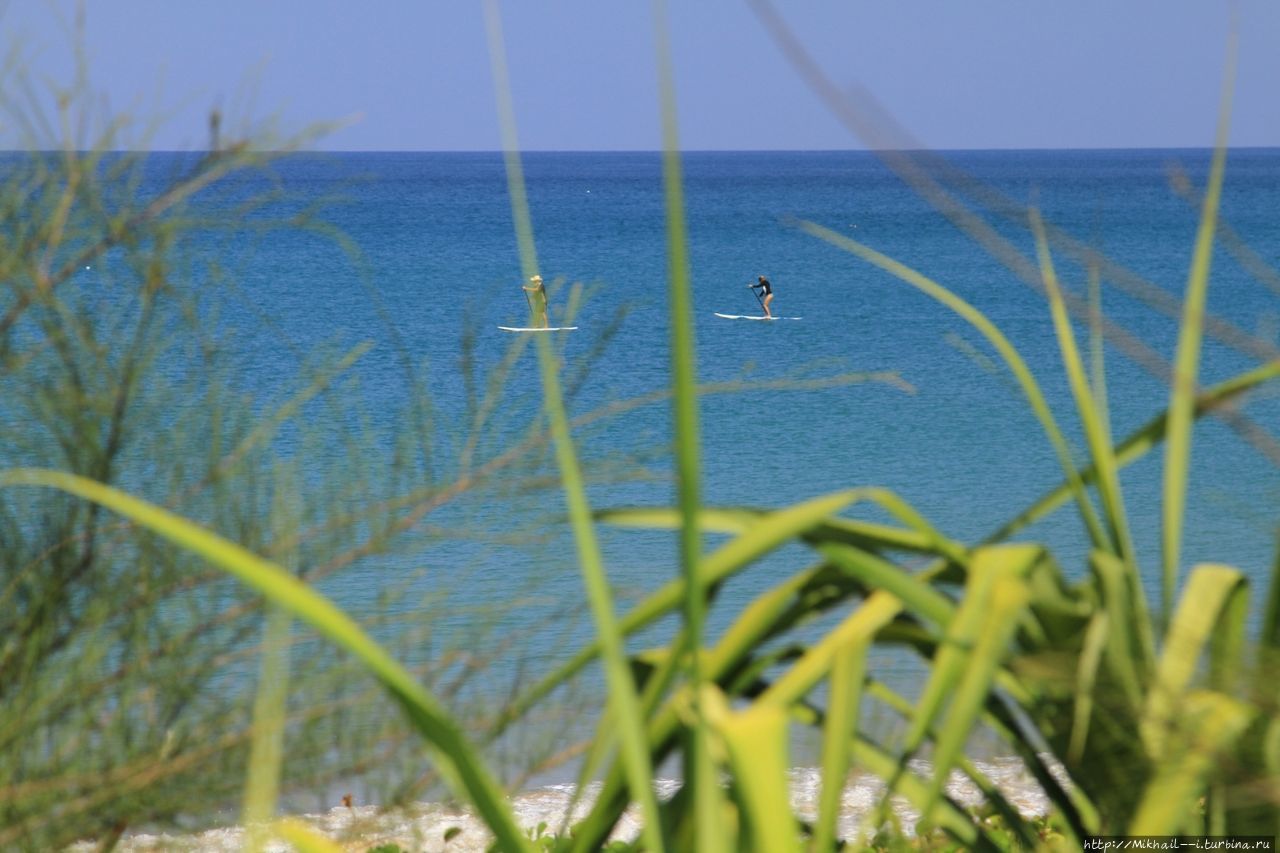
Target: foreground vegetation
<point x="124" y="659"/>
<point x="1133" y="718"/>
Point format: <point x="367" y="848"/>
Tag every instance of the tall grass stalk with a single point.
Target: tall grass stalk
<point x="708" y="805"/>
<point x="624" y="702"/>
<point x="1177" y="457"/>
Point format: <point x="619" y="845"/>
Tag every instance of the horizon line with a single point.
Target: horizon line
<point x="498" y="151"/>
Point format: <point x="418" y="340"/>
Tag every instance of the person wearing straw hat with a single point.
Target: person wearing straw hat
<point x="536" y="295"/>
<point x="766" y="290"/>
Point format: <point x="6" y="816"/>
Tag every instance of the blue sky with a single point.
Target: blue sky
<point x="408" y="75"/>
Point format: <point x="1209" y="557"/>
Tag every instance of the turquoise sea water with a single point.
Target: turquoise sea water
<point x="437" y="266"/>
<point x="439" y="248"/>
<point x="438" y="261"/>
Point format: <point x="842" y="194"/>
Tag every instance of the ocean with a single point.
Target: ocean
<point x="435" y="272"/>
<point x="438" y="261"/>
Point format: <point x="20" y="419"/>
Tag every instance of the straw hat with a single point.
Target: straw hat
<point x="535" y="278"/>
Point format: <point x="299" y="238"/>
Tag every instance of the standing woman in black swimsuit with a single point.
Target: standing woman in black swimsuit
<point x="767" y="290"/>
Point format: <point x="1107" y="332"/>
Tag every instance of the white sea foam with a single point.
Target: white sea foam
<point x="423" y="827"/>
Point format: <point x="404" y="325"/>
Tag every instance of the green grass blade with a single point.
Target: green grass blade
<point x="683" y="369"/>
<point x="876" y="573"/>
<point x="756" y="741"/>
<point x="754" y="626"/>
<point x="266" y="748"/>
<point x="866" y="535"/>
<point x="1211" y="724"/>
<point x="1130" y="650"/>
<point x="919" y="536"/>
<point x="708" y="798"/>
<point x="1095" y="643"/>
<point x="973" y="620"/>
<point x="1097" y="348"/>
<point x="622" y="693"/>
<point x="1177" y="458"/>
<point x="1138" y="443"/>
<point x="1030" y="388"/>
<point x="1214" y="595"/>
<point x="458" y="762"/>
<point x="990" y="791"/>
<point x="794" y="684"/>
<point x="1096" y="431"/>
<point x="946" y="815"/>
<point x="622" y="690"/>
<point x="848" y="670"/>
<point x="776" y="530"/>
<point x="710" y="520"/>
<point x="1007" y="601"/>
<point x="1270" y="634"/>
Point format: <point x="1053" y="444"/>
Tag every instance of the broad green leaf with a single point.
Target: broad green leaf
<point x="975" y="642"/>
<point x="961" y="634"/>
<point x="759" y="620"/>
<point x="1008" y="598"/>
<point x="869" y="536"/>
<point x="1209" y="723"/>
<point x="1226" y="644"/>
<point x="1209" y="602"/>
<point x="756" y="741"/>
<point x="737" y="643"/>
<point x="872" y="757"/>
<point x="458" y="762"/>
<point x="754" y="625"/>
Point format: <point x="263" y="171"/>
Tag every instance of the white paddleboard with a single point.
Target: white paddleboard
<point x="537" y="328"/>
<point x="752" y="317"/>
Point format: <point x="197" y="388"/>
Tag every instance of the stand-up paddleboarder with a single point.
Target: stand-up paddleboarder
<point x="766" y="290"/>
<point x="537" y="296"/>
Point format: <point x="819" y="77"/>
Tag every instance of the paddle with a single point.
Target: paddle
<point x="756" y="294"/>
